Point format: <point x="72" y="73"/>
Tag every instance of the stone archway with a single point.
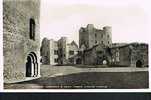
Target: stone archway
<point x="31" y="65"/>
<point x="139" y="63"/>
<point x="28" y="66"/>
<point x="78" y="61"/>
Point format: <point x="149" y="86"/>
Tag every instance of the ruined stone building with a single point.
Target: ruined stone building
<point x="45" y="51"/>
<point x="21" y="39"/>
<point x="49" y="52"/>
<point x="133" y="54"/>
<point x="58" y="52"/>
<point x="90" y="36"/>
<point x="108" y="53"/>
<point x="62" y="50"/>
<point x="72" y="51"/>
<point x="53" y="50"/>
<point x="95" y="55"/>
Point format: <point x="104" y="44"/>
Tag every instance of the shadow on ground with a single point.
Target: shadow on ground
<point x="88" y="80"/>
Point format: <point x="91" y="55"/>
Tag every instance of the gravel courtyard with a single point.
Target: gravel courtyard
<point x="53" y="71"/>
<point x="75" y="77"/>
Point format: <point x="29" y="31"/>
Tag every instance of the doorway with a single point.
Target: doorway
<point x="139" y="63"/>
<point x="78" y="61"/>
<point x="31" y="65"/>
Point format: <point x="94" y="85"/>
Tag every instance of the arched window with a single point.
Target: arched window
<point x="32" y="29"/>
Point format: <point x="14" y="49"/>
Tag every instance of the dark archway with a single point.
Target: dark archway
<point x="31" y="65"/>
<point x="99" y="60"/>
<point x="78" y="61"/>
<point x="28" y="66"/>
<point x="139" y="63"/>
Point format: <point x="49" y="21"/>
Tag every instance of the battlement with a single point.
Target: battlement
<point x="91" y="26"/>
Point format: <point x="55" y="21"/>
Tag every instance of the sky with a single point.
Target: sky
<point x="129" y="19"/>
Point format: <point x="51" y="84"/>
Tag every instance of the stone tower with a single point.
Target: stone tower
<point x="21" y="39"/>
<point x="45" y="51"/>
<point x="107" y="35"/>
<point x="62" y="50"/>
<point x="90" y="36"/>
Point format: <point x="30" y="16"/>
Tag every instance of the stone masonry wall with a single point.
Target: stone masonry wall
<point x="130" y="54"/>
<point x="139" y="52"/>
<point x="45" y="51"/>
<point x="90" y="36"/>
<point x="16" y="42"/>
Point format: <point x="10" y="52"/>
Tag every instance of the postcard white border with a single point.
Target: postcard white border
<point x="68" y="90"/>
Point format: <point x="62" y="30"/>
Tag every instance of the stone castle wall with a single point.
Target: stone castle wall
<point x="57" y="52"/>
<point x="16" y="42"/>
<point x="53" y="48"/>
<point x="121" y="56"/>
<point x="45" y="51"/>
<point x="83" y="38"/>
<point x="139" y="52"/>
<point x="62" y="50"/>
<point x="130" y="54"/>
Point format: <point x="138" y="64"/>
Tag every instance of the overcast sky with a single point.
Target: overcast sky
<point x="129" y="18"/>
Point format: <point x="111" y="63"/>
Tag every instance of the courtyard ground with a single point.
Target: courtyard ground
<point x="86" y="77"/>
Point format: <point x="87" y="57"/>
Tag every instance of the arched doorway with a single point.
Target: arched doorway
<point x="78" y="61"/>
<point x="138" y="63"/>
<point x="28" y="66"/>
<point x="31" y="65"/>
<point x="99" y="60"/>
